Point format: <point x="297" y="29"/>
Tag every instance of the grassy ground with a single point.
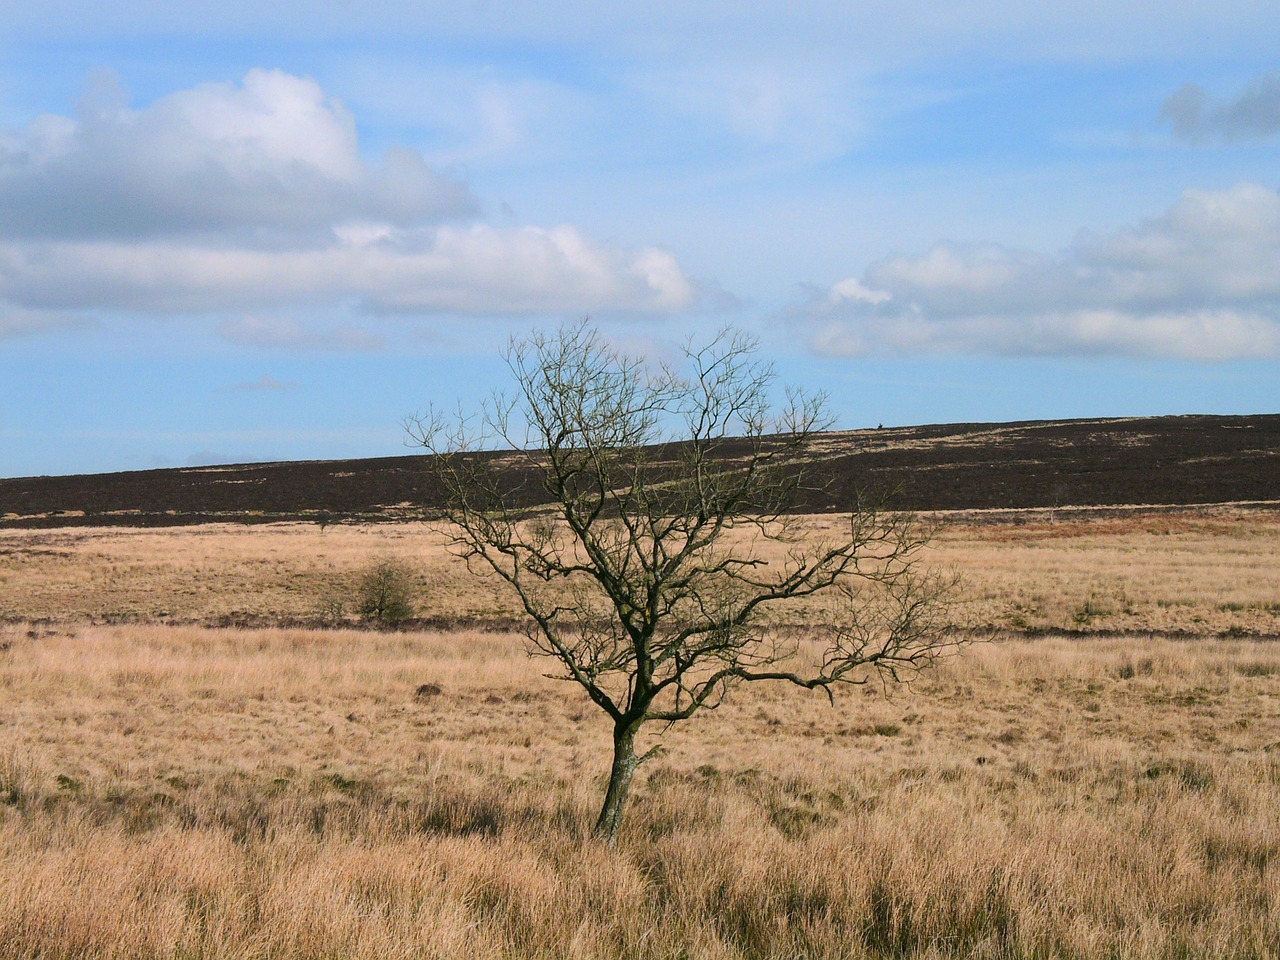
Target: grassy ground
<point x="176" y="791"/>
<point x="1207" y="572"/>
<point x="185" y="792"/>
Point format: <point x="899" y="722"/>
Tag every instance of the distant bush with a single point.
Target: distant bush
<point x="385" y="592"/>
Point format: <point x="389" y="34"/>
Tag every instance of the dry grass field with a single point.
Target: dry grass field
<point x="1211" y="571"/>
<point x="175" y="790"/>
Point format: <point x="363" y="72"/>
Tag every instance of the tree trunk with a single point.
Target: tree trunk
<point x="624" y="767"/>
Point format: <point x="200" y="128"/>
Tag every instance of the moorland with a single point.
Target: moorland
<point x="206" y="753"/>
<point x="1148" y="461"/>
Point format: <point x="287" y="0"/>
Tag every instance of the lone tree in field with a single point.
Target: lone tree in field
<point x="657" y="534"/>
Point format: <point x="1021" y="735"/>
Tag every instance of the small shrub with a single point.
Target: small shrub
<point x="385" y="592"/>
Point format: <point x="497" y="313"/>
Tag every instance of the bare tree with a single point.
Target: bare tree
<point x="665" y="534"/>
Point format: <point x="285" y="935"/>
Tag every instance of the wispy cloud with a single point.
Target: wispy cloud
<point x="19" y="322"/>
<point x="1199" y="282"/>
<point x="1252" y="114"/>
<point x="786" y="107"/>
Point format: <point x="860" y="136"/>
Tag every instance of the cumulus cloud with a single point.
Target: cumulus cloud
<point x="477" y="269"/>
<point x="1252" y="114"/>
<point x="1199" y="282"/>
<point x="254" y="196"/>
<point x="273" y="153"/>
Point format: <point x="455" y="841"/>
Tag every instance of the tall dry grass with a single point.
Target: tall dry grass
<point x="1211" y="570"/>
<point x="1205" y="571"/>
<point x="172" y="792"/>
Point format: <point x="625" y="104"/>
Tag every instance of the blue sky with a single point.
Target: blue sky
<point x="242" y="231"/>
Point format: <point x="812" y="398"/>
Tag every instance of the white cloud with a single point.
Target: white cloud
<point x="1199" y="282"/>
<point x="1252" y="114"/>
<point x="273" y="153"/>
<point x="852" y="290"/>
<point x="473" y="270"/>
<point x="232" y="198"/>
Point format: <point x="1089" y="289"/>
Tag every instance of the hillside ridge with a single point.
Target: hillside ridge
<point x="1186" y="459"/>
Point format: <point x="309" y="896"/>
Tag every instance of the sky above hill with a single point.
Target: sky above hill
<point x="234" y="231"/>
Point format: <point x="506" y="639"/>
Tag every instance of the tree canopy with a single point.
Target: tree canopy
<point x="666" y="535"/>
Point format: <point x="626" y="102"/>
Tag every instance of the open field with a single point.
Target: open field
<point x="1209" y="571"/>
<point x="181" y="792"/>
<point x="171" y="789"/>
